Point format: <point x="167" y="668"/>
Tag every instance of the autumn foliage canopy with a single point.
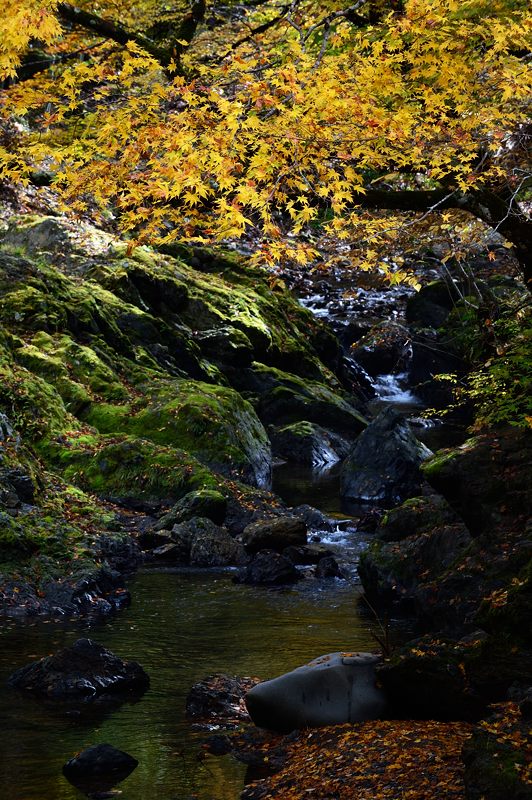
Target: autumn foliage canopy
<point x="198" y="123"/>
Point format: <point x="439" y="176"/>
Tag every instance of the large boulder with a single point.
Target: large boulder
<point x="384" y="463"/>
<point x="415" y="544"/>
<point x="85" y="671"/>
<point x="274" y="534"/>
<point x="331" y="690"/>
<point x="268" y="568"/>
<point x="308" y="443"/>
<point x="385" y="348"/>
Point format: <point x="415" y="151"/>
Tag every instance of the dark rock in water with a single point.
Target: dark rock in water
<point x="85" y="671"/>
<point x="308" y="443"/>
<point x="314" y="519"/>
<point x="328" y="568"/>
<point x="151" y="539"/>
<point x="386" y="348"/>
<point x="99" y="768"/>
<point x="331" y="690"/>
<point x="219" y="698"/>
<point x="416" y="516"/>
<point x="201" y="543"/>
<point x="384" y="462"/>
<point x="121" y="552"/>
<point x="201" y="503"/>
<point x="430" y="357"/>
<point x="171" y="553"/>
<point x="268" y="568"/>
<point x="274" y="534"/>
<point x="307" y="554"/>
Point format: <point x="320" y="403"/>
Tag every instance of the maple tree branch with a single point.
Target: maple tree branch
<point x="493" y="208"/>
<point x="110" y="30"/>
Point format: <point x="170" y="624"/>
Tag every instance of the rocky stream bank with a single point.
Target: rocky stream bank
<point x="144" y="400"/>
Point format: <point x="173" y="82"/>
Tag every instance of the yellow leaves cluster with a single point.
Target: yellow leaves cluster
<point x="21" y="23"/>
<point x="280" y="134"/>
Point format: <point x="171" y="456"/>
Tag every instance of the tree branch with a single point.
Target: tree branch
<point x="110" y="30"/>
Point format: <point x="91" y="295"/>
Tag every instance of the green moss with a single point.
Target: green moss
<point x="212" y="423"/>
<point x="127" y="467"/>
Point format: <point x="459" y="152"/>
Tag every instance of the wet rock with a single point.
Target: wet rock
<point x="307" y="554"/>
<point x="428" y="679"/>
<point x="486" y="480"/>
<point x="274" y="534"/>
<point x="431" y="356"/>
<point x="171" y="553"/>
<point x="268" y="568"/>
<point x="219" y="698"/>
<point x="416" y="516"/>
<point x="122" y="553"/>
<point x="327" y="567"/>
<point x="394" y="573"/>
<point x="331" y="690"/>
<point x="201" y="543"/>
<point x="227" y="345"/>
<point x="18" y="483"/>
<point x="386" y="348"/>
<point x="308" y="443"/>
<point x="99" y="768"/>
<point x="151" y="539"/>
<point x="201" y="503"/>
<point x="284" y="399"/>
<point x="315" y="520"/>
<point x="85" y="671"/>
<point x="384" y="462"/>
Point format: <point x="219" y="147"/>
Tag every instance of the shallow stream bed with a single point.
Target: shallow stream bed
<point x="180" y="627"/>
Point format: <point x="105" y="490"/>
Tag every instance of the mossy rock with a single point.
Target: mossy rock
<point x="212" y="423"/>
<point x="284" y="398"/>
<point x="206" y="503"/>
<point x="125" y="467"/>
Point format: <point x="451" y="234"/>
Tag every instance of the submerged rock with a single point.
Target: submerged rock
<point x="99" y="768"/>
<point x="384" y="462"/>
<point x="331" y="690"/>
<point x="85" y="671"/>
<point x="219" y="698"/>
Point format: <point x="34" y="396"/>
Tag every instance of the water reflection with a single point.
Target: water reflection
<point x="180" y="628"/>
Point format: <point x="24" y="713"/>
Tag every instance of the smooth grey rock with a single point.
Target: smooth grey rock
<point x="331" y="690"/>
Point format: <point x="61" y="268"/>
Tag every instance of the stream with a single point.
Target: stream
<point x="184" y="625"/>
